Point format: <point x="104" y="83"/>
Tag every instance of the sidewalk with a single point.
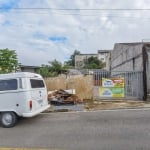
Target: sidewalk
<point x="101" y="105"/>
<point x="116" y="104"/>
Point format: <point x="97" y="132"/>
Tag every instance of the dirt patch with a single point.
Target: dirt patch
<point x="90" y="105"/>
<point x="104" y="105"/>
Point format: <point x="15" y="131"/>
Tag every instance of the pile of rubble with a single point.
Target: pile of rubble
<point x="63" y="97"/>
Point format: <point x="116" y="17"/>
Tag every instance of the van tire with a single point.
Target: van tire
<point x="8" y="119"/>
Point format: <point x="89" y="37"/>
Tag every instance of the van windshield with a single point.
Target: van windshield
<point x="37" y="83"/>
<point x="6" y="85"/>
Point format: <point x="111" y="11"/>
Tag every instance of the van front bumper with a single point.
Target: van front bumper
<point x="34" y="113"/>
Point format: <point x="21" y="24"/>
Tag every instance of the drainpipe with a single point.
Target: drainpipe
<point x="144" y="54"/>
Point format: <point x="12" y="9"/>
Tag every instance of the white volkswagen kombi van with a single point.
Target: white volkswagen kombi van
<point x="22" y="94"/>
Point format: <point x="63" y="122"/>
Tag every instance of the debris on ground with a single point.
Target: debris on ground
<point x="63" y="97"/>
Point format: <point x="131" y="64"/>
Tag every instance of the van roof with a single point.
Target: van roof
<point x="20" y="74"/>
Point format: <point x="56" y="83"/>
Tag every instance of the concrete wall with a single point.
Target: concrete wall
<point x="107" y="61"/>
<point x="127" y="57"/>
<point x="133" y="57"/>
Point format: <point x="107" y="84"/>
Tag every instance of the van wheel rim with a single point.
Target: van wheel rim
<point x="7" y="119"/>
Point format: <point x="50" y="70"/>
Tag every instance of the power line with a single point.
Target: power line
<point x="29" y="10"/>
<point x="77" y="9"/>
<point x="90" y="15"/>
<point x="103" y="15"/>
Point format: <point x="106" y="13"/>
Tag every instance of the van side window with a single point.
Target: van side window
<point x="37" y="83"/>
<point x="10" y="84"/>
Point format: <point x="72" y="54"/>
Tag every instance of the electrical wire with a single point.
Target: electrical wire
<point x="101" y="15"/>
<point x="120" y="15"/>
<point x="78" y="9"/>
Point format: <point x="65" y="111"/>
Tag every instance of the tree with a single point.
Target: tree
<point x="94" y="63"/>
<point x="44" y="71"/>
<point x="56" y="66"/>
<point x="71" y="62"/>
<point x="53" y="69"/>
<point x="8" y="61"/>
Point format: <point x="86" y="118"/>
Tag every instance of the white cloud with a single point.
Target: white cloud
<point x="1" y="19"/>
<point x="28" y="31"/>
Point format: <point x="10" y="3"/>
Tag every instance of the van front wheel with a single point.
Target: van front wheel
<point x="8" y="119"/>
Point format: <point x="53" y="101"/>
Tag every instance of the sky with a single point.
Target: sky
<point x="43" y="30"/>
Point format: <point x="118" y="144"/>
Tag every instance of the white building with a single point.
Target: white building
<point x="103" y="55"/>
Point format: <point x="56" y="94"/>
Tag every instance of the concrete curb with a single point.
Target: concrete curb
<point x="114" y="109"/>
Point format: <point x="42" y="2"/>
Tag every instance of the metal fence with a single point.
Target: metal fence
<point x="133" y="81"/>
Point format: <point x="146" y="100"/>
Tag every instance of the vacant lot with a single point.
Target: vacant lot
<point x="82" y="84"/>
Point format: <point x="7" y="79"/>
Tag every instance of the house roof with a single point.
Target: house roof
<point x="31" y="67"/>
<point x="134" y="43"/>
<point x="86" y="54"/>
<point x="104" y="51"/>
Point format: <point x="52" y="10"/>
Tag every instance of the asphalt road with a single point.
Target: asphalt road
<point x="103" y="130"/>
